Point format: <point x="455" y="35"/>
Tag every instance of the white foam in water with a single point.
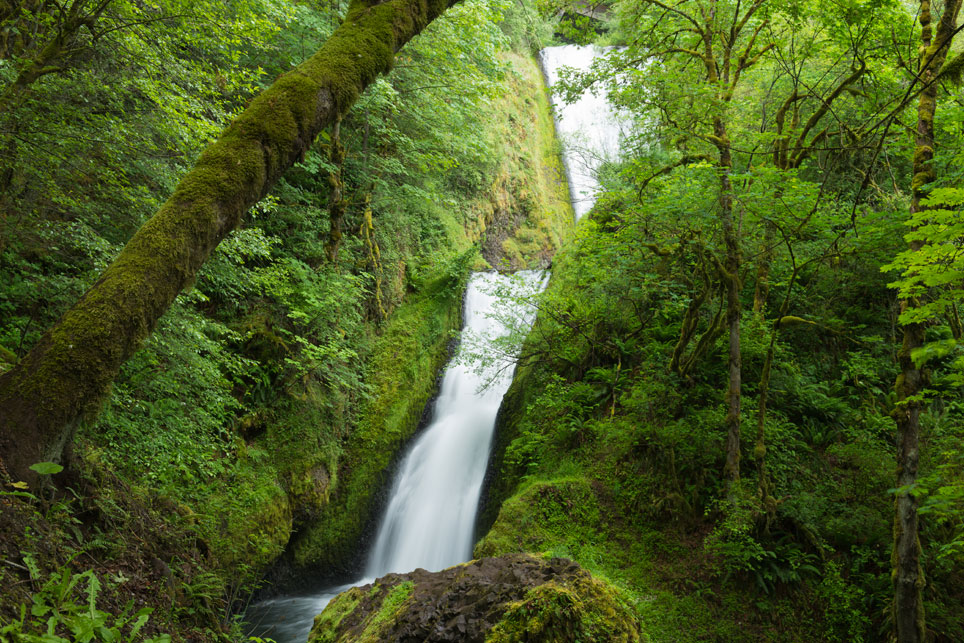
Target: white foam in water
<point x="590" y="129"/>
<point x="430" y="517"/>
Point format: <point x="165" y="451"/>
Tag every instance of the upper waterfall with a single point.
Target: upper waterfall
<point x="590" y="128"/>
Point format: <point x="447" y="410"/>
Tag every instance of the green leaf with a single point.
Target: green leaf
<point x="46" y="468"/>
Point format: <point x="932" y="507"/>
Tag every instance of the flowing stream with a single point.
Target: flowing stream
<point x="430" y="516"/>
<point x="429" y="521"/>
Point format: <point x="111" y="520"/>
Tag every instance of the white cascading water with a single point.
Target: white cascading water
<point x="590" y="128"/>
<point x="429" y="521"/>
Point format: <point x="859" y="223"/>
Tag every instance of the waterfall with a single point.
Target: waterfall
<point x="430" y="517"/>
<point x="590" y="128"/>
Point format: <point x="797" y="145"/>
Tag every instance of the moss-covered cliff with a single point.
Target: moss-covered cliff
<point x="522" y="219"/>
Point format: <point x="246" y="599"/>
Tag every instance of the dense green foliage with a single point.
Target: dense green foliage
<point x="619" y="461"/>
<point x="255" y="398"/>
<point x="613" y="444"/>
<point x="771" y="179"/>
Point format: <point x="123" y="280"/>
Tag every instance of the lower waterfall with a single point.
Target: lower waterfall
<point x="430" y="516"/>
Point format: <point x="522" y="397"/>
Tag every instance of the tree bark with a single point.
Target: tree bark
<point x="908" y="575"/>
<point x="734" y="309"/>
<point x="337" y="203"/>
<point x="730" y="274"/>
<point x="66" y="376"/>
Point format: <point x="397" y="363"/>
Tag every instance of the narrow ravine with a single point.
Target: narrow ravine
<point x="430" y="517"/>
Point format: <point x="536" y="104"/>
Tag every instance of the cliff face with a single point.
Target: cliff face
<point x="511" y="598"/>
<point x="520" y="221"/>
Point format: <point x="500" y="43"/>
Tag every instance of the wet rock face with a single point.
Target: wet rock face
<point x="500" y="600"/>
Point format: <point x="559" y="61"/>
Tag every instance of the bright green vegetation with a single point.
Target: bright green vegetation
<point x="274" y="393"/>
<point x="586" y="610"/>
<point x="391" y="605"/>
<point x="334" y="613"/>
<point x="764" y="302"/>
<point x="389" y="600"/>
<point x="616" y="462"/>
<point x="528" y="214"/>
<point x="405" y="362"/>
<point x="616" y="445"/>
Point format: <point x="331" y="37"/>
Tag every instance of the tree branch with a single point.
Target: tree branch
<point x="64" y="378"/>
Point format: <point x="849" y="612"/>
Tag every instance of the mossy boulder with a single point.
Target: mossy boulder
<point x="252" y="527"/>
<point x="518" y="597"/>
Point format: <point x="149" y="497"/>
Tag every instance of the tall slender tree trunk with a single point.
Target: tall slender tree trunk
<point x="69" y="372"/>
<point x="734" y="309"/>
<point x="908" y="575"/>
<point x="724" y="76"/>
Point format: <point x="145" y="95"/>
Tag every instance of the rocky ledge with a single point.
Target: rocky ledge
<point x="510" y="598"/>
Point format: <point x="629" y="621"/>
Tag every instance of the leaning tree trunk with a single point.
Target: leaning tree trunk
<point x="69" y="372"/>
<point x="909" y="624"/>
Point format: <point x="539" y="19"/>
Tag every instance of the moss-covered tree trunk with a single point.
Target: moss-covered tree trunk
<point x="908" y="576"/>
<point x="720" y="75"/>
<point x="734" y="308"/>
<point x="724" y="39"/>
<point x="68" y="373"/>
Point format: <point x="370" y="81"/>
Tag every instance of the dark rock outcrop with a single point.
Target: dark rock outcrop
<point x="511" y="598"/>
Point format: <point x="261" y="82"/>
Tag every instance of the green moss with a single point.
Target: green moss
<point x="953" y="69"/>
<point x="324" y="628"/>
<point x="511" y="598"/>
<point x="522" y="391"/>
<point x="247" y="526"/>
<point x="403" y="371"/>
<point x="920" y="180"/>
<point x="527" y="214"/>
<point x="311" y="488"/>
<point x="392" y="604"/>
<point x="582" y="610"/>
<point x="390" y="601"/>
<point x="543" y="516"/>
<point x="923" y="154"/>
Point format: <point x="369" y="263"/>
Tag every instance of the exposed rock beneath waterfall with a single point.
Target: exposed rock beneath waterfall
<point x="511" y="598"/>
